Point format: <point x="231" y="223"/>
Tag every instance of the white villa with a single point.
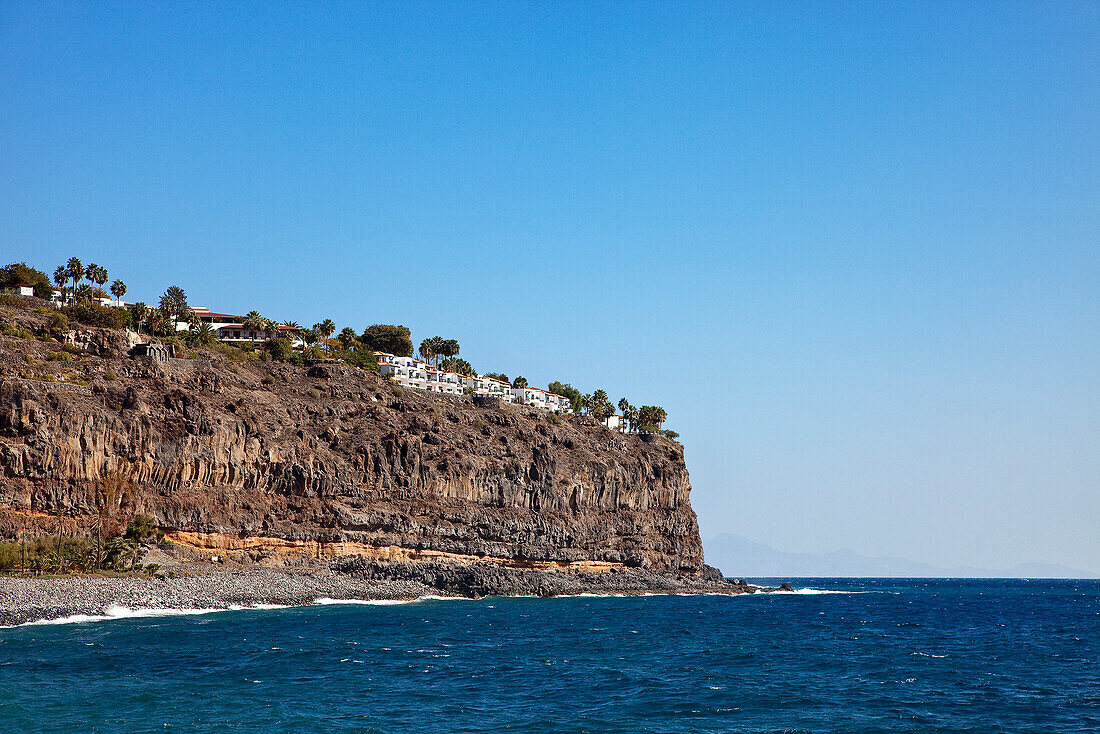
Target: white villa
<point x="19" y="289"/>
<point x="412" y="372"/>
<point x="230" y="328"/>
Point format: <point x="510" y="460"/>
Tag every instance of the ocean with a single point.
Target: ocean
<point x="874" y="655"/>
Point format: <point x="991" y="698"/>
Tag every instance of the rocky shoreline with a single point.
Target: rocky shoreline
<point x="26" y="599"/>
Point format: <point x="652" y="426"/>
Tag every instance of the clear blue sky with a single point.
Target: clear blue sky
<point x="853" y="249"/>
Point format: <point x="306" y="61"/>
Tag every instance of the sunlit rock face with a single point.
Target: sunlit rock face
<point x="269" y="461"/>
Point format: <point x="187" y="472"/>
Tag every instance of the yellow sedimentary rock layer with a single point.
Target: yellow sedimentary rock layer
<point x="283" y="548"/>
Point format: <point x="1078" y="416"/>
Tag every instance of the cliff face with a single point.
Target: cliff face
<point x="269" y="461"/>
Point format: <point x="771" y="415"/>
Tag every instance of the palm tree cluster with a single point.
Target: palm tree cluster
<point x="76" y="271"/>
<point x="435" y="349"/>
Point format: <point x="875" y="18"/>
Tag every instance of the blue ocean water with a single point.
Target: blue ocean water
<point x="890" y="656"/>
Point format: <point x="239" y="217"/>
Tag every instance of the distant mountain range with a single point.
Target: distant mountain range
<point x="740" y="557"/>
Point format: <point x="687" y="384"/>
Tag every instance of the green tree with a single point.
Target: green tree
<point x="96" y="273"/>
<point x="498" y="376"/>
<point x="138" y="313"/>
<point x="60" y="278"/>
<point x="576" y="400"/>
<point x="457" y="365"/>
<point x="279" y="348"/>
<point x="625" y="409"/>
<point x="520" y="381"/>
<point x="254" y="322"/>
<point x="325" y="329"/>
<point x="118" y="290"/>
<point x="427" y="349"/>
<point x="347" y="337"/>
<point x="202" y="334"/>
<point x="173" y="304"/>
<point x="396" y="340"/>
<point x="449" y="348"/>
<point x="20" y="272"/>
<point x="75" y="270"/>
<point x="650" y="417"/>
<point x="600" y="406"/>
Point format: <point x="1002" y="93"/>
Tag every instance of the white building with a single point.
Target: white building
<point x="489" y="387"/>
<point x="448" y="383"/>
<point x="559" y="403"/>
<point x="230" y="328"/>
<point x="406" y="371"/>
<point x="531" y="396"/>
<point x="19" y="289"/>
<point x="614" y="422"/>
<point x="412" y="372"/>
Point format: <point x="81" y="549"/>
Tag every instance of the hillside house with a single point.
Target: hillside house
<point x="19" y="289"/>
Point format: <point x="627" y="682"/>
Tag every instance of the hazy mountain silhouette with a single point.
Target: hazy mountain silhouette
<point x="737" y="556"/>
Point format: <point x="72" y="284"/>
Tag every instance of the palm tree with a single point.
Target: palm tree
<point x="97" y="274"/>
<point x="138" y="312"/>
<point x="76" y="272"/>
<point x="174" y="305"/>
<point x="254" y="322"/>
<point x="203" y="334"/>
<point x="60" y="278"/>
<point x="624" y="408"/>
<point x="347" y="337"/>
<point x="118" y="290"/>
<point x="449" y="348"/>
<point x="325" y="329"/>
<point x="427" y="350"/>
<point x="659" y="415"/>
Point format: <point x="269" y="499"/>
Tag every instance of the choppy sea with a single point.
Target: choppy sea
<point x="873" y="655"/>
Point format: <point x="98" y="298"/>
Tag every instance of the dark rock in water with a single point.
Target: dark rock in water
<point x="785" y="587"/>
<point x="485" y="579"/>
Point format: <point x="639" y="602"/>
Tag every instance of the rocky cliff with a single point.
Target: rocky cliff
<point x="272" y="463"/>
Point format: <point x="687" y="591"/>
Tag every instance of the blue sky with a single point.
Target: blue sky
<point x="853" y="249"/>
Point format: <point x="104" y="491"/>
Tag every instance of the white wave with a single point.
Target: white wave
<point x="116" y="611"/>
<point x="809" y="591"/>
<point x="326" y="601"/>
<point x="388" y="602"/>
<point x="588" y="594"/>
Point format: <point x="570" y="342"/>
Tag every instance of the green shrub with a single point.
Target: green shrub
<point x="279" y="348"/>
<point x="73" y="350"/>
<point x="315" y="393"/>
<point x="268" y="380"/>
<point x="110" y="374"/>
<point x="140" y="528"/>
<point x="9" y="556"/>
<point x="93" y="314"/>
<point x="477" y="423"/>
<point x="364" y="359"/>
<point x="553" y="419"/>
<point x="59" y="357"/>
<point x="58" y="324"/>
